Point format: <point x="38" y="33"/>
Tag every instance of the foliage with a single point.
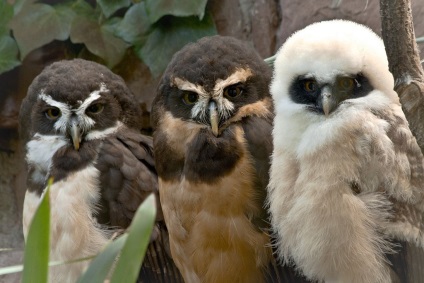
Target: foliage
<point x="36" y="256"/>
<point x="130" y="246"/>
<point x="154" y="29"/>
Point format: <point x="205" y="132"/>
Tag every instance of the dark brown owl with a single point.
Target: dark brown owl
<point x="80" y="125"/>
<point x="213" y="118"/>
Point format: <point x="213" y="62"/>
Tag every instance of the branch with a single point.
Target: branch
<point x="404" y="62"/>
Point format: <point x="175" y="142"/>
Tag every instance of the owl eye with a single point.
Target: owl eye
<point x="53" y="113"/>
<point x="310" y="85"/>
<point x="233" y="91"/>
<point x="346" y="84"/>
<point x="190" y="97"/>
<point x="95" y="108"/>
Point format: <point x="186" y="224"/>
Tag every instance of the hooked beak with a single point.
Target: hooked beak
<point x="75" y="133"/>
<point x="329" y="103"/>
<point x="214" y="117"/>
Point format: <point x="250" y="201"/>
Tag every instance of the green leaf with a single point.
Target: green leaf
<point x="38" y="24"/>
<point x="18" y="5"/>
<point x="8" y="54"/>
<point x="102" y="263"/>
<point x="169" y="35"/>
<point x="36" y="256"/>
<point x="6" y="14"/>
<point x="181" y="8"/>
<point x="99" y="39"/>
<point x="129" y="262"/>
<point x="111" y="6"/>
<point x="134" y="25"/>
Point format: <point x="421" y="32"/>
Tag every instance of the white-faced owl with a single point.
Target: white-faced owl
<point x="346" y="177"/>
<point x="80" y="125"/>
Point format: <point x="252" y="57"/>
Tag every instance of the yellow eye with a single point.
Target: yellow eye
<point x="346" y="84"/>
<point x="310" y="85"/>
<point x="233" y="91"/>
<point x="53" y="113"/>
<point x="190" y="97"/>
<point x="95" y="108"/>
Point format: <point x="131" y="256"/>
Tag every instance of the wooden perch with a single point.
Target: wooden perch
<point x="404" y="62"/>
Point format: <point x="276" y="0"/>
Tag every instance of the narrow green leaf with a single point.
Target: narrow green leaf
<point x="182" y="8"/>
<point x="111" y="6"/>
<point x="129" y="262"/>
<point x="36" y="256"/>
<point x="38" y="24"/>
<point x="6" y="14"/>
<point x="420" y="39"/>
<point x="99" y="39"/>
<point x="168" y="36"/>
<point x="134" y="25"/>
<point x="102" y="263"/>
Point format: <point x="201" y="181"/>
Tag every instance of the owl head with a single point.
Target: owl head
<point x="208" y="83"/>
<point x="330" y="64"/>
<point x="77" y="99"/>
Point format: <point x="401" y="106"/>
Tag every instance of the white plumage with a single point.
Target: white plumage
<point x="346" y="174"/>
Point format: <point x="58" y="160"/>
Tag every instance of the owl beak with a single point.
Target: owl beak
<point x="328" y="102"/>
<point x="214" y="117"/>
<point x="75" y="133"/>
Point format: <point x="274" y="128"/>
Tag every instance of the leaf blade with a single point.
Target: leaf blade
<point x="129" y="262"/>
<point x="169" y="35"/>
<point x="36" y="255"/>
<point x="99" y="39"/>
<point x="102" y="263"/>
<point x="8" y="54"/>
<point x="156" y="9"/>
<point x="38" y="24"/>
<point x="111" y="6"/>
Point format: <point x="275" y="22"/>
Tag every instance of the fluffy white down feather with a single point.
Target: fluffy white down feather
<point x="331" y="233"/>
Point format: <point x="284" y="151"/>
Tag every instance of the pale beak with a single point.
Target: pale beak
<point x="214" y="117"/>
<point x="328" y="102"/>
<point x="75" y="133"/>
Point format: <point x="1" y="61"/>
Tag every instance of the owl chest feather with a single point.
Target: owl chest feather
<point x="212" y="236"/>
<point x="322" y="216"/>
<point x="74" y="196"/>
<point x="74" y="231"/>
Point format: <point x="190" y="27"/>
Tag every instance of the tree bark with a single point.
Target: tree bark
<point x="404" y="61"/>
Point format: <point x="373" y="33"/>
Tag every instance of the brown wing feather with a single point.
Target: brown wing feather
<point x="128" y="176"/>
<point x="406" y="174"/>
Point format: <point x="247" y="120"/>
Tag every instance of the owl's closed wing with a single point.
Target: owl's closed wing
<point x="404" y="181"/>
<point x="127" y="177"/>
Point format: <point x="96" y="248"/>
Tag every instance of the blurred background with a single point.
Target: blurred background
<point x="136" y="39"/>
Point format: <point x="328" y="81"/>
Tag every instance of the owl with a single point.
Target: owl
<point x="212" y="141"/>
<point x="80" y="125"/>
<point x="346" y="176"/>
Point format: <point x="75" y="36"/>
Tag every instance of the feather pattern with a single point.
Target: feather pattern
<point x="345" y="186"/>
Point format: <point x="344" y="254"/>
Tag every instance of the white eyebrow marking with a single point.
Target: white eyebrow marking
<point x="84" y="121"/>
<point x="65" y="110"/>
<point x="239" y="76"/>
<point x="186" y="85"/>
<point x="92" y="97"/>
